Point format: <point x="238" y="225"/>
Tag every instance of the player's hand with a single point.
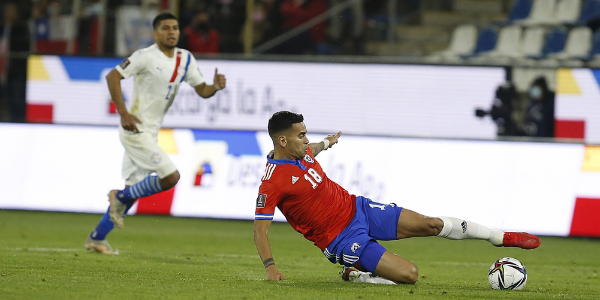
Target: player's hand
<point x="219" y="82"/>
<point x="128" y="122"/>
<point x="333" y="138"/>
<point x="274" y="275"/>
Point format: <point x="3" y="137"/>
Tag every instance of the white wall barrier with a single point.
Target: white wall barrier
<point x="506" y="185"/>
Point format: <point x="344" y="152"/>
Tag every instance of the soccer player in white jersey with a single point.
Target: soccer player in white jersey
<point x="158" y="72"/>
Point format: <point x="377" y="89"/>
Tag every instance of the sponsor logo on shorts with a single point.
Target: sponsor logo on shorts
<point x="464" y="226"/>
<point x="355" y="247"/>
<point x="124" y="64"/>
<point x="155" y="158"/>
<point x="261" y="200"/>
<point x="308" y="159"/>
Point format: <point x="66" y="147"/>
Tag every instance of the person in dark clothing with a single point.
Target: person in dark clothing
<point x="539" y="116"/>
<point x="296" y="13"/>
<point x="199" y="36"/>
<point x="14" y="46"/>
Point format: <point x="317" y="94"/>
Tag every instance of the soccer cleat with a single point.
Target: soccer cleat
<point x="349" y="274"/>
<point x="117" y="209"/>
<point x="100" y="246"/>
<point x="522" y="240"/>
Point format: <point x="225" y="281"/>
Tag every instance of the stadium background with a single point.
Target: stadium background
<point x="426" y="148"/>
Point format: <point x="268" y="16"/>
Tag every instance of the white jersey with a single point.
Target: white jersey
<point x="156" y="82"/>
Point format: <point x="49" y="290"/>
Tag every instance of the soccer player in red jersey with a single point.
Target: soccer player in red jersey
<point x="344" y="226"/>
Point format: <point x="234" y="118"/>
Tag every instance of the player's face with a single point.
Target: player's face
<point x="297" y="142"/>
<point x="167" y="33"/>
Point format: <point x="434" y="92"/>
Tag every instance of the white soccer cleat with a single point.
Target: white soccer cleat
<point x="117" y="209"/>
<point x="100" y="246"/>
<point x="350" y="274"/>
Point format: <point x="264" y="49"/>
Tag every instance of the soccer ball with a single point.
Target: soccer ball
<point x="507" y="274"/>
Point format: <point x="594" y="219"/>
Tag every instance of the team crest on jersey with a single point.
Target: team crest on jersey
<point x="155" y="158"/>
<point x="355" y="247"/>
<point x="294" y="179"/>
<point x="309" y="159"/>
<point x="124" y="64"/>
<point x="261" y="200"/>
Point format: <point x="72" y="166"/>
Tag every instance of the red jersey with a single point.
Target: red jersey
<point x="313" y="204"/>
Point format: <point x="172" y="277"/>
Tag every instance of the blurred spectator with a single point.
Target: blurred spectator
<point x="273" y="23"/>
<point x="41" y="24"/>
<point x="14" y="48"/>
<point x="87" y="33"/>
<point x="539" y="116"/>
<point x="294" y="14"/>
<point x="353" y="18"/>
<point x="199" y="36"/>
<point x="260" y="25"/>
<point x="229" y="19"/>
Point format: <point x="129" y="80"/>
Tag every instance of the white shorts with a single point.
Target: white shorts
<point x="143" y="156"/>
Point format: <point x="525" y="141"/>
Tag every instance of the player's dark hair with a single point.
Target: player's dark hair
<point x="283" y="120"/>
<point x="161" y="17"/>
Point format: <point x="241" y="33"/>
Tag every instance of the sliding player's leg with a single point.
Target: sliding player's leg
<point x="377" y="265"/>
<point x="412" y="224"/>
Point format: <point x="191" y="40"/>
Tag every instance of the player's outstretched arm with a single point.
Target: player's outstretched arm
<point x="261" y="239"/>
<point x="206" y="91"/>
<point x="332" y="139"/>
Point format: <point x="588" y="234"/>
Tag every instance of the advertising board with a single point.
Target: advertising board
<point x="362" y="99"/>
<point x="577" y="111"/>
<point x="543" y="188"/>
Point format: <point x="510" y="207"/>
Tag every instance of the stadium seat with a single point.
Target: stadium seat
<point x="589" y="12"/>
<point x="509" y="39"/>
<point x="532" y="42"/>
<point x="463" y="41"/>
<point x="566" y="12"/>
<point x="577" y="46"/>
<point x="542" y="12"/>
<point x="595" y="52"/>
<point x="594" y="56"/>
<point x="486" y="41"/>
<point x="520" y="10"/>
<point x="555" y="41"/>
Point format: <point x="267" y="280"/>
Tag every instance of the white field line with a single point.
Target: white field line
<point x="45" y="249"/>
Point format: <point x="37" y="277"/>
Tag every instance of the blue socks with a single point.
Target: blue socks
<point x="149" y="186"/>
<point x="106" y="225"/>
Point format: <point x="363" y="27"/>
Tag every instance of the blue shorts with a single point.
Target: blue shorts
<point x="372" y="221"/>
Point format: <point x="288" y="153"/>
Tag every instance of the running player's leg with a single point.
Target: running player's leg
<point x="96" y="241"/>
<point x="412" y="224"/>
<point x="144" y="151"/>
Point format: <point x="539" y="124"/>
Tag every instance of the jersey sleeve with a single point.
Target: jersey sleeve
<point x="269" y="196"/>
<point x="194" y="76"/>
<point x="132" y="65"/>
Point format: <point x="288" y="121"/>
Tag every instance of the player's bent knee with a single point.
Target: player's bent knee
<point x="435" y="225"/>
<point x="411" y="274"/>
<point x="170" y="181"/>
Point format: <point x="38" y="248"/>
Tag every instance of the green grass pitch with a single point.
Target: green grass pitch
<point x="42" y="257"/>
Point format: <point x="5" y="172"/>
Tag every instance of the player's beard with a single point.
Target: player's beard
<point x="168" y="46"/>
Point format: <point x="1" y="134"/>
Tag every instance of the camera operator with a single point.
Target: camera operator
<point x="539" y="116"/>
<point x="502" y="110"/>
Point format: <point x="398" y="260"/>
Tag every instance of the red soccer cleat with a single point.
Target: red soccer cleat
<point x="522" y="240"/>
